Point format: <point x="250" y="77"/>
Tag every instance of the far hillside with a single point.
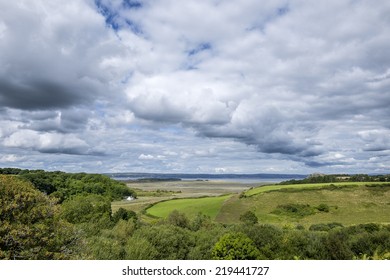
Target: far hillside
<point x="299" y="203"/>
<point x="308" y="204"/>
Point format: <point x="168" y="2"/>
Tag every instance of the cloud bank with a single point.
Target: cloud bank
<point x="199" y="86"/>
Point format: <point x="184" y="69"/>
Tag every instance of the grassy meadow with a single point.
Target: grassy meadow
<point x="209" y="206"/>
<point x="268" y="188"/>
<point x="347" y="203"/>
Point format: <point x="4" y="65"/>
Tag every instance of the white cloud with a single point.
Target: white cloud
<point x="282" y="85"/>
<point x="145" y="157"/>
<point x="47" y="142"/>
<point x="11" y="158"/>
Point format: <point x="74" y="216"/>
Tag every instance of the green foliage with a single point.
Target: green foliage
<point x="171" y="242"/>
<point x="34" y="226"/>
<point x="249" y="218"/>
<point x="201" y="221"/>
<point x="90" y="213"/>
<point x="139" y="248"/>
<point x="12" y="171"/>
<point x="373" y="245"/>
<point x="323" y="178"/>
<point x="178" y="219"/>
<point x="30" y="228"/>
<point x="124" y="214"/>
<point x="324" y="227"/>
<point x="104" y="248"/>
<point x="294" y="210"/>
<point x="122" y="231"/>
<point x="235" y="246"/>
<point x="267" y="238"/>
<point x="65" y="185"/>
<point x="336" y="245"/>
<point x="323" y="207"/>
<point x="205" y="239"/>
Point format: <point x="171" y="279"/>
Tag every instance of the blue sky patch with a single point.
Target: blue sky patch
<point x="200" y="48"/>
<point x="109" y="15"/>
<point x="131" y="4"/>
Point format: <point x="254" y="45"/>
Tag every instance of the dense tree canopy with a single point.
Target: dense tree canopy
<point x="235" y="246"/>
<point x="63" y="185"/>
<point x="30" y="228"/>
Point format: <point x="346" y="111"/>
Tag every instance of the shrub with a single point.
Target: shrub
<point x="323" y="207"/>
<point x="249" y="218"/>
<point x="294" y="210"/>
<point x="123" y="214"/>
<point x="324" y="227"/>
<point x="178" y="219"/>
<point x="235" y="246"/>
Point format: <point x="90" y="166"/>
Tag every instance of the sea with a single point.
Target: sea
<point x="239" y="178"/>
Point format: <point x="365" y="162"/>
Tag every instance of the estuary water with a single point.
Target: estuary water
<point x="239" y="178"/>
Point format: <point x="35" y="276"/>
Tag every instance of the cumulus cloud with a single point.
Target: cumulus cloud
<point x="54" y="55"/>
<point x="376" y="140"/>
<point x="287" y="85"/>
<point x="285" y="77"/>
<point x="47" y="142"/>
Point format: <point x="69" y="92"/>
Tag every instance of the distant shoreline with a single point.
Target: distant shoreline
<point x="239" y="178"/>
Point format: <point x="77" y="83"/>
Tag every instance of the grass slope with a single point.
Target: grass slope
<point x="268" y="188"/>
<point x="191" y="206"/>
<point x="351" y="204"/>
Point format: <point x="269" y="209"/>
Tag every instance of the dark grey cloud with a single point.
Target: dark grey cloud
<point x="56" y="58"/>
<point x="63" y="121"/>
<point x="40" y="95"/>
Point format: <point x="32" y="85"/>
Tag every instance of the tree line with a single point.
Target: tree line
<point x="334" y="178"/>
<point x="62" y="185"/>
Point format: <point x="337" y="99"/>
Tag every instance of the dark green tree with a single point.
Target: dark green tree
<point x="123" y="214"/>
<point x="267" y="239"/>
<point x="249" y="218"/>
<point x="178" y="219"/>
<point x="29" y="224"/>
<point x="235" y="246"/>
<point x="86" y="208"/>
<point x="171" y="242"/>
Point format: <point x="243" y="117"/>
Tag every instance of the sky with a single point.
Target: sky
<point x="195" y="86"/>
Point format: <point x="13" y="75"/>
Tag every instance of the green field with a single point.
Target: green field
<point x="348" y="204"/>
<point x="209" y="206"/>
<point x="268" y="188"/>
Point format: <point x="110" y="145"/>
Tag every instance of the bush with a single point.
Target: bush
<point x="337" y="247"/>
<point x="171" y="242"/>
<point x="323" y="207"/>
<point x="235" y="246"/>
<point x="324" y="227"/>
<point x="123" y="214"/>
<point x="82" y="209"/>
<point x="249" y="218"/>
<point x="294" y="210"/>
<point x="267" y="239"/>
<point x="178" y="219"/>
